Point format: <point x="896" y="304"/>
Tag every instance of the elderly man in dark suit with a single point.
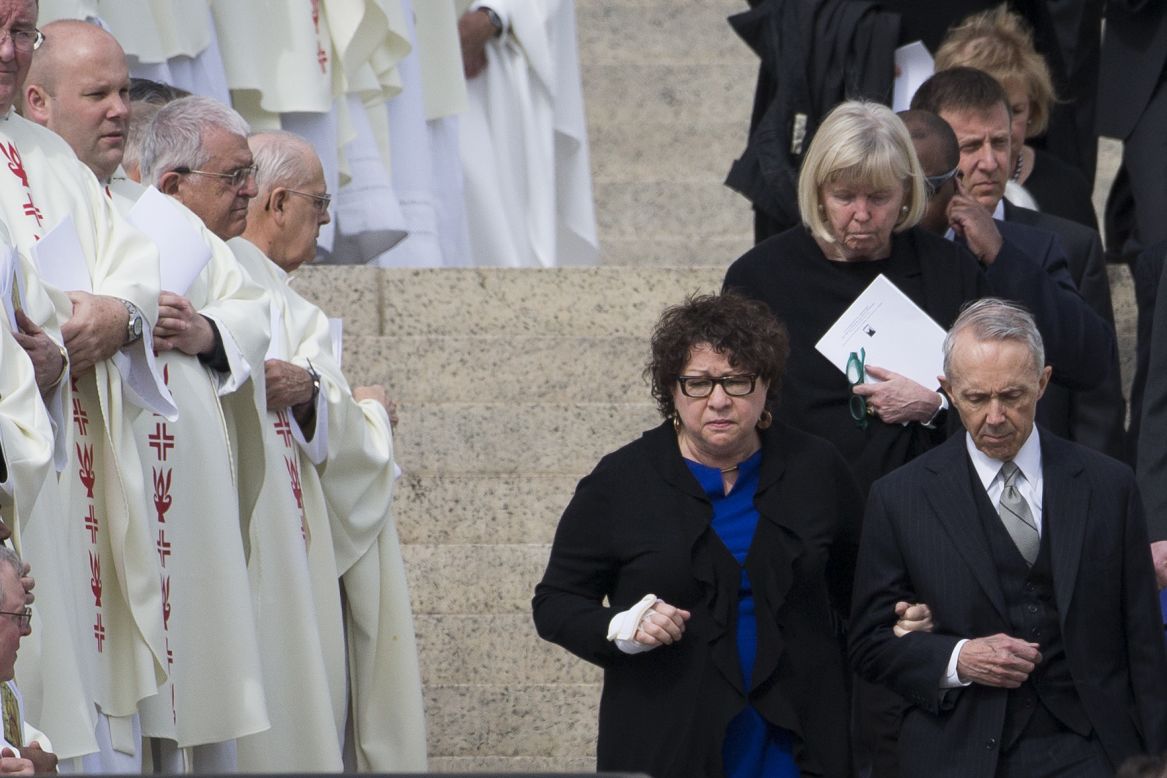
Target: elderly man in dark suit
<point x="1047" y="654"/>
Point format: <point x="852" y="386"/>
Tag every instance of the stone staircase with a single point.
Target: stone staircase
<point x="511" y="385"/>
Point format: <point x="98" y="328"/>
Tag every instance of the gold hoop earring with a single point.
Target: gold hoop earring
<point x="677" y="424"/>
<point x="765" y="420"/>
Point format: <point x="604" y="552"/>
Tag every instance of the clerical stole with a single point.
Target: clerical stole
<point x="48" y="662"/>
<point x="214" y="691"/>
<point x="110" y="553"/>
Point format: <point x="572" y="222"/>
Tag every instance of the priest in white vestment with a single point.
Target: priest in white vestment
<point x="524" y="139"/>
<point x="195" y="150"/>
<point x="346" y="461"/>
<point x="55" y="212"/>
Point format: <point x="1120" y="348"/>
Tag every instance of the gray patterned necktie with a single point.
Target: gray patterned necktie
<point x="1016" y="516"/>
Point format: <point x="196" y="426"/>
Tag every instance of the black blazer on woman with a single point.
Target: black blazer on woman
<point x="639" y="524"/>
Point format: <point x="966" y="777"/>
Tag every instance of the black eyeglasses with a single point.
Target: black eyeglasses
<point x="23" y="40"/>
<point x="320" y="201"/>
<point x="856" y="372"/>
<point x="237" y="177"/>
<point x="932" y="184"/>
<point x="699" y="386"/>
<point x="23" y="618"/>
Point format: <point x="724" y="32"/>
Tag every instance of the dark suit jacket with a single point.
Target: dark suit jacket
<point x="1096" y="417"/>
<point x="641" y="523"/>
<point x="1152" y="436"/>
<point x="1032" y="269"/>
<point x="1134" y="52"/>
<point x="923" y="542"/>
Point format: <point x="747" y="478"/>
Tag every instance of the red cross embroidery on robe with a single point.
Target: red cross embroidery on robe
<point x="80" y="417"/>
<point x="91" y="525"/>
<point x="161" y="441"/>
<point x="99" y="633"/>
<point x="284" y="427"/>
<point x="164" y="546"/>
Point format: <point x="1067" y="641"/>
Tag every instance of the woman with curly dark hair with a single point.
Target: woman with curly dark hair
<point x="706" y="566"/>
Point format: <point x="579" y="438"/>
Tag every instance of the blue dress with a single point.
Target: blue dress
<point x="753" y="748"/>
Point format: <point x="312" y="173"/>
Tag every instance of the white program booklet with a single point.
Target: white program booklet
<point x="59" y="259"/>
<point x="915" y="66"/>
<point x="893" y="332"/>
<point x="182" y="252"/>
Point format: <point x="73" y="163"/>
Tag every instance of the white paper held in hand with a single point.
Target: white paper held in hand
<point x="182" y="251"/>
<point x="59" y="259"/>
<point x="894" y="333"/>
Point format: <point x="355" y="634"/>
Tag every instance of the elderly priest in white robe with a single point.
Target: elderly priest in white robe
<point x="209" y="335"/>
<point x="303" y="688"/>
<point x="53" y="207"/>
<point x="345" y="458"/>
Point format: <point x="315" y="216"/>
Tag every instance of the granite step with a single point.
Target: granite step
<point x="627" y="209"/>
<point x="692" y="93"/>
<point x="512" y="720"/>
<point x="666" y="151"/>
<point x="675" y="250"/>
<point x="640" y="33"/>
<point x="461" y="649"/>
<point x="502" y="368"/>
<point x="589" y="302"/>
<point x="446" y="508"/>
<point x="515" y="438"/>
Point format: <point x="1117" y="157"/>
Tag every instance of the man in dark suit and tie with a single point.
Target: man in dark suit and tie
<point x="1047" y="655"/>
<point x="977" y="108"/>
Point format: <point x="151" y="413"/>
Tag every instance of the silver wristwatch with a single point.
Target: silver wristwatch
<point x="134" y="325"/>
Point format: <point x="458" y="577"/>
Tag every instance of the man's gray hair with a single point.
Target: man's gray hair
<point x="174" y="138"/>
<point x="994" y="319"/>
<point x="12" y="559"/>
<point x="281" y="159"/>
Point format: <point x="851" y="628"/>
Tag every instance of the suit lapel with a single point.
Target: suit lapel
<point x="950" y="493"/>
<point x="1065" y="508"/>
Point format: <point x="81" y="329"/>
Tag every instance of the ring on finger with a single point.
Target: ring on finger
<point x="870" y="409"/>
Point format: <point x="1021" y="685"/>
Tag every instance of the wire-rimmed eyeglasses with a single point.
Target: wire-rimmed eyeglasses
<point x="320" y="201"/>
<point x="23" y="618"/>
<point x="237" y="177"/>
<point x="23" y="40"/>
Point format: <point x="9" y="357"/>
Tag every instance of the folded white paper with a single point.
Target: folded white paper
<point x="59" y="259"/>
<point x="915" y="66"/>
<point x="893" y="332"/>
<point x="7" y="282"/>
<point x="336" y="331"/>
<point x="182" y="251"/>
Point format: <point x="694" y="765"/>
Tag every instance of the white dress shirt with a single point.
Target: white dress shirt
<point x="1029" y="483"/>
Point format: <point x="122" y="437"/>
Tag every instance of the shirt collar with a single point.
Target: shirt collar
<point x="1028" y="460"/>
<point x="999" y="211"/>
